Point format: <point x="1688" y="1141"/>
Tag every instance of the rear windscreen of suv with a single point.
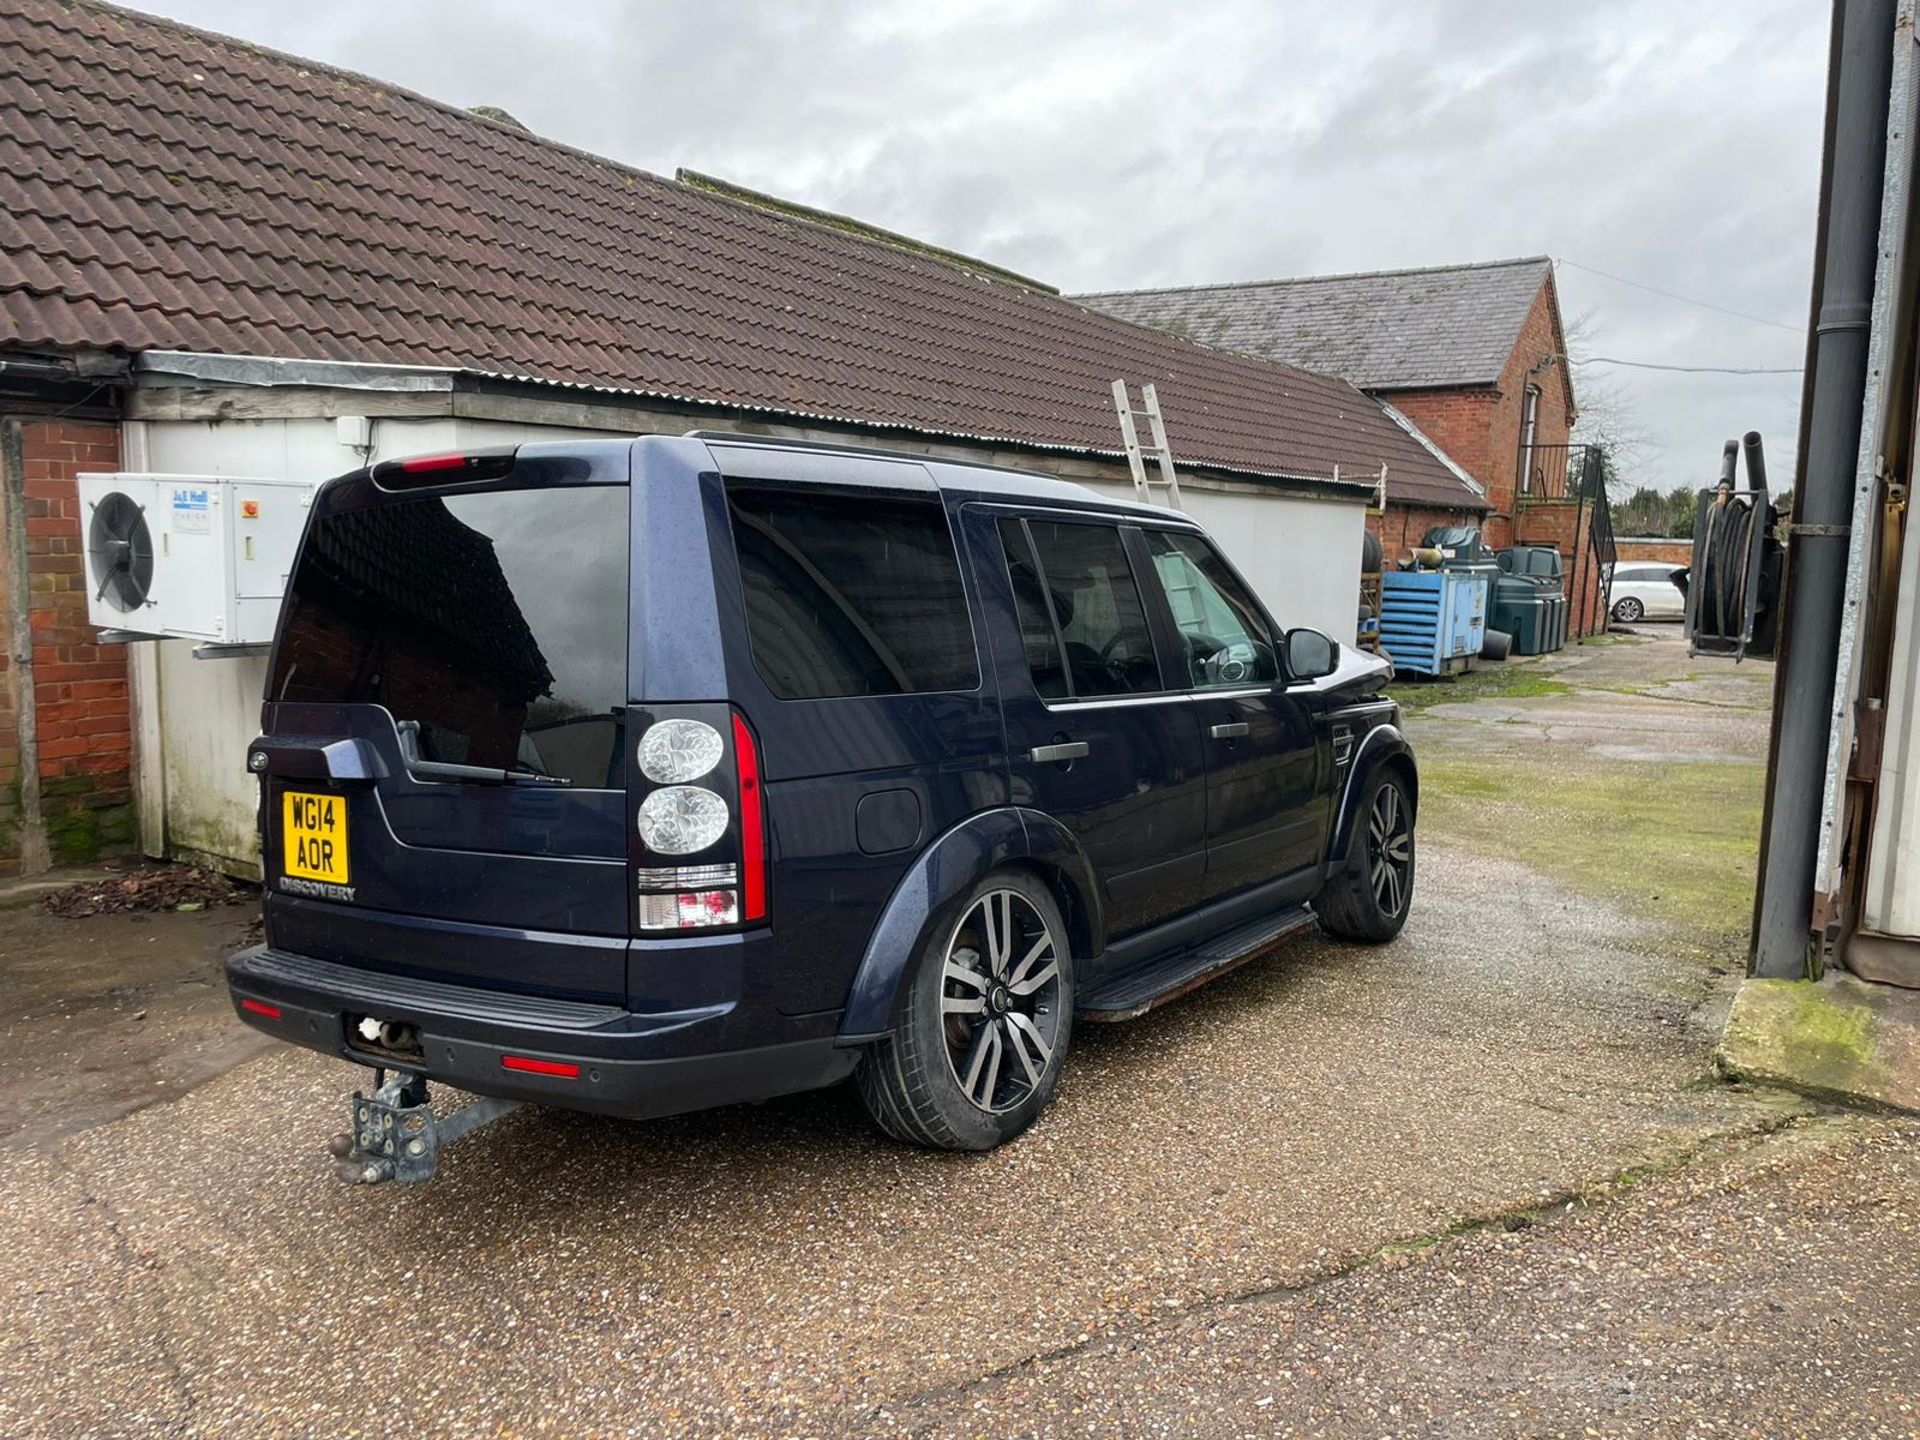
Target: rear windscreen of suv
<point x="492" y="625"/>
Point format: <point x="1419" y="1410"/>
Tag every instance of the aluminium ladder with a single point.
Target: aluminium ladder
<point x="1138" y="454"/>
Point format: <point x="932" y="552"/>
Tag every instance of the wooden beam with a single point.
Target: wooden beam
<point x="280" y="402"/>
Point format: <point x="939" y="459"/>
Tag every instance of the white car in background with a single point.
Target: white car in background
<point x="1645" y="591"/>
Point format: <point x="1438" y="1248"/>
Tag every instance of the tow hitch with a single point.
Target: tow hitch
<point x="396" y="1136"/>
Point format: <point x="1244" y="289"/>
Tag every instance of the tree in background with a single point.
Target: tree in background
<point x="1682" y="504"/>
<point x="1644" y="512"/>
<point x="1648" y="512"/>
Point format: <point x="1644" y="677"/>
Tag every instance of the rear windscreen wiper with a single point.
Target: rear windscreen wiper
<point x="479" y="774"/>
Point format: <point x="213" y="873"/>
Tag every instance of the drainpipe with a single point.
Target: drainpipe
<point x="1816" y="573"/>
<point x="34" y="857"/>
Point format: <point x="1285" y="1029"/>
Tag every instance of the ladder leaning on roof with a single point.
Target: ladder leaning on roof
<point x="1137" y="454"/>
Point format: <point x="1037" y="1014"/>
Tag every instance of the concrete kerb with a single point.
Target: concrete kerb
<point x="1840" y="1039"/>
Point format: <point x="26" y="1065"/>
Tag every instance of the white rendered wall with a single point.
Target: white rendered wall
<point x="1301" y="555"/>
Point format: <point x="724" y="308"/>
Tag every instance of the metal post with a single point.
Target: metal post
<point x="1850" y="225"/>
<point x="1756" y="538"/>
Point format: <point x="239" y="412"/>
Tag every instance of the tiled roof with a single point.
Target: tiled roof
<point x="1386" y="330"/>
<point x="165" y="188"/>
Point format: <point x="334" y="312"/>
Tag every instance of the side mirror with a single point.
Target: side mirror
<point x="1310" y="654"/>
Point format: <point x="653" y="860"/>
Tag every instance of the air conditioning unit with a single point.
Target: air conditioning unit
<point x="191" y="557"/>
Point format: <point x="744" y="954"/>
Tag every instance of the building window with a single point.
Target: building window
<point x="1529" y="427"/>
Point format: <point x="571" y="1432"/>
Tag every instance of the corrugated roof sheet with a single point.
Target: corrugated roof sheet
<point x="165" y="188"/>
<point x="1384" y="330"/>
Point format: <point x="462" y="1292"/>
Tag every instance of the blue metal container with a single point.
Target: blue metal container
<point x="1433" y="622"/>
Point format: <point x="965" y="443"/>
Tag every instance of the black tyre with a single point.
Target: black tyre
<point x="1370" y="897"/>
<point x="1628" y="610"/>
<point x="981" y="1034"/>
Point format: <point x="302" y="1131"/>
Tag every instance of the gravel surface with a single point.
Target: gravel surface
<point x="194" y="1269"/>
<point x="1774" y="1290"/>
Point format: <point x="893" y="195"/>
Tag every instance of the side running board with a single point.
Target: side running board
<point x="1145" y="987"/>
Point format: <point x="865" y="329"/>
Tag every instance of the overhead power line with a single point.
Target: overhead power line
<point x="1689" y="369"/>
<point x="1683" y="299"/>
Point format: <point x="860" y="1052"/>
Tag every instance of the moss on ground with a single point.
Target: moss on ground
<point x="1817" y="1039"/>
<point x="1611" y="637"/>
<point x="1675" y="842"/>
<point x="1505" y="682"/>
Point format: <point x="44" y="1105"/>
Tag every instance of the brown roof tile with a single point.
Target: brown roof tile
<point x="163" y="188"/>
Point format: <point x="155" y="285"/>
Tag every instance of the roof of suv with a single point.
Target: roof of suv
<point x="968" y="477"/>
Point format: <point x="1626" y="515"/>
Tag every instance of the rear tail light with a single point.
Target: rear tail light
<point x="753" y="822"/>
<point x="260" y="1008"/>
<point x="689" y="909"/>
<point x="683" y="820"/>
<point x="696" y="808"/>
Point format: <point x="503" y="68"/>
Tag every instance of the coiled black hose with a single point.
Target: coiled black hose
<point x="1721" y="575"/>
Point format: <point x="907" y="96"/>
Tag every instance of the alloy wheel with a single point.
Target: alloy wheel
<point x="1390" y="849"/>
<point x="1000" y="1000"/>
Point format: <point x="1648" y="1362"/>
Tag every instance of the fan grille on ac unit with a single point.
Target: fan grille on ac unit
<point x="119" y="552"/>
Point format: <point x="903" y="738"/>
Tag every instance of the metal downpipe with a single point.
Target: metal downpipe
<point x="1816" y="574"/>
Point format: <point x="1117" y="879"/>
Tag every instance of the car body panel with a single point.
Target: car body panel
<point x="1652" y="585"/>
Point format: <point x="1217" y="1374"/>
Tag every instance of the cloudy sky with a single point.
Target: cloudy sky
<point x="1103" y="144"/>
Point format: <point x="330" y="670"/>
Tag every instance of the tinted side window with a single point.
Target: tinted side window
<point x="851" y="595"/>
<point x="1103" y="625"/>
<point x="1030" y="608"/>
<point x="1226" y="637"/>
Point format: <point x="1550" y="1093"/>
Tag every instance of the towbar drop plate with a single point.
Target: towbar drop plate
<point x="394" y="1135"/>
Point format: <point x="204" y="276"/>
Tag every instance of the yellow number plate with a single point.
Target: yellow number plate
<point x="313" y="836"/>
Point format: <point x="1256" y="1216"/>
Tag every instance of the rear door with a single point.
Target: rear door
<point x="1667" y="599"/>
<point x="1267" y="809"/>
<point x="1096" y="736"/>
<point x="445" y="724"/>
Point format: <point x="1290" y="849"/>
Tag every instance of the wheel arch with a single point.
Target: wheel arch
<point x="1383" y="748"/>
<point x="1011" y="837"/>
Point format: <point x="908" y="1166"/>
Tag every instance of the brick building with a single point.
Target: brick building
<point x="1472" y="357"/>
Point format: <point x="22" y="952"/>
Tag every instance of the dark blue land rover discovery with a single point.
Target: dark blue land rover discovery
<point x="645" y="776"/>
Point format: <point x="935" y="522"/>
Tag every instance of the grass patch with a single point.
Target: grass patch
<point x="1675" y="842"/>
<point x="1503" y="682"/>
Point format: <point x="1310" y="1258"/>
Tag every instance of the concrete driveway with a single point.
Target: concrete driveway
<point x="1536" y="1041"/>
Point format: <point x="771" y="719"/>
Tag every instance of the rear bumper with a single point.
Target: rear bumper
<point x="466" y="1033"/>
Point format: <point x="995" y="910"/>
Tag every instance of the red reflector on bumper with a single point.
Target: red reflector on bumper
<point x="261" y="1007"/>
<point x="565" y="1070"/>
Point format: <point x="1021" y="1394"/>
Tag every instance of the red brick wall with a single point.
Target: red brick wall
<point x="1534" y="361"/>
<point x="1405" y="526"/>
<point x="1459" y="421"/>
<point x="1479" y="426"/>
<point x="1669" y="552"/>
<point x="82" y="717"/>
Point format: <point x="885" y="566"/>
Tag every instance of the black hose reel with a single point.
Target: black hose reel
<point x="1733" y="587"/>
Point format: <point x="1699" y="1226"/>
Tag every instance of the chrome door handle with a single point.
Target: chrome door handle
<point x="1070" y="750"/>
<point x="1233" y="730"/>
